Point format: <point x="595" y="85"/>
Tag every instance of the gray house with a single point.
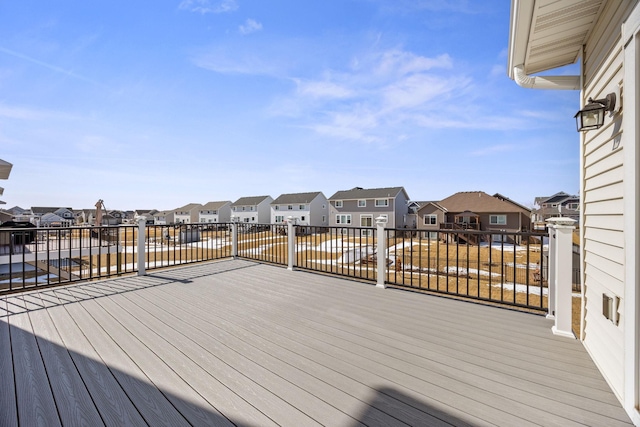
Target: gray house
<point x="254" y="209"/>
<point x="187" y="214"/>
<point x="359" y="207"/>
<point x="215" y="212"/>
<point x="307" y="208"/>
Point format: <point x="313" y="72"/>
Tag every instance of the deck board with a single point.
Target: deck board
<point x="237" y="342"/>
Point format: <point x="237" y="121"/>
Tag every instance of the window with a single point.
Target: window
<point x="302" y="207"/>
<point x="497" y="219"/>
<point x="366" y="220"/>
<point x="243" y="208"/>
<point x="343" y="219"/>
<point x="279" y="218"/>
<point x="324" y="219"/>
<point x="382" y="203"/>
<point x="430" y="219"/>
<point x="234" y="208"/>
<point x="290" y="207"/>
<point x="338" y="203"/>
<point x="277" y="208"/>
<point x="302" y="218"/>
<point x="362" y="203"/>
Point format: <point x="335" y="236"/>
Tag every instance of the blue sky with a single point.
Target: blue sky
<point x="156" y="104"/>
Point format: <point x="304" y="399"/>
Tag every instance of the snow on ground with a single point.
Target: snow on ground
<point x="534" y="290"/>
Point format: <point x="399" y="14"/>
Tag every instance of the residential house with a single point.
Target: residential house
<point x="187" y="214"/>
<point x="254" y="209"/>
<point x="477" y="210"/>
<point x="603" y="36"/>
<point x="219" y="212"/>
<point x="146" y="213"/>
<point x="429" y="217"/>
<point x="560" y="204"/>
<point x="306" y="208"/>
<point x="162" y="218"/>
<point x="66" y="216"/>
<point x="117" y="215"/>
<point x="359" y="207"/>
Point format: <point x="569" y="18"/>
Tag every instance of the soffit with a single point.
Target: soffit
<point x="547" y="34"/>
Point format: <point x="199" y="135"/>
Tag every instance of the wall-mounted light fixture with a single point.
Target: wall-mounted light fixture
<point x="592" y="115"/>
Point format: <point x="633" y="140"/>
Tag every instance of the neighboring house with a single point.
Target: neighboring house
<point x="429" y="217"/>
<point x="66" y="215"/>
<point x="477" y="210"/>
<point x="215" y="212"/>
<point x="604" y="37"/>
<point x="51" y="219"/>
<point x="147" y="213"/>
<point x="254" y="210"/>
<point x="117" y="215"/>
<point x="359" y="207"/>
<point x="306" y="208"/>
<point x="187" y="214"/>
<point x="162" y="218"/>
<point x="560" y="204"/>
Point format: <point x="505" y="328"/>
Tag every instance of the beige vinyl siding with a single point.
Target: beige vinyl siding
<point x="603" y="198"/>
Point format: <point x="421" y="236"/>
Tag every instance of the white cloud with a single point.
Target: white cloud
<point x="206" y="6"/>
<point x="250" y="26"/>
<point x="322" y="89"/>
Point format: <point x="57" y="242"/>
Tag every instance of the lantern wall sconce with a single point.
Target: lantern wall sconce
<point x="592" y="115"/>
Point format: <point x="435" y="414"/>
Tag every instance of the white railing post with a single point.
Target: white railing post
<point x="381" y="249"/>
<point x="551" y="274"/>
<point x="291" y="243"/>
<point x="142" y="222"/>
<point x="234" y="237"/>
<point x="562" y="254"/>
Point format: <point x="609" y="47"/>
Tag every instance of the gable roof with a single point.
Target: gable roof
<point x="188" y="208"/>
<point x="479" y="202"/>
<point x="210" y="206"/>
<point x="368" y="193"/>
<point x="249" y="201"/>
<point x="43" y="210"/>
<point x="296" y="198"/>
<point x="437" y="205"/>
<point x="506" y="199"/>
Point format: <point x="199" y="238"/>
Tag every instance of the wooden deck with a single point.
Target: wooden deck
<point x="240" y="343"/>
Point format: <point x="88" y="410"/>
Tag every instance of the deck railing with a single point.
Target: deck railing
<point x="37" y="257"/>
<point x="506" y="268"/>
<point x="503" y="268"/>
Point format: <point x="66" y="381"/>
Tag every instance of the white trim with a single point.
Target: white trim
<point x="631" y="120"/>
<point x="386" y="201"/>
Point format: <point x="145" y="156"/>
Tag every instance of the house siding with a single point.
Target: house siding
<point x="602" y="175"/>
